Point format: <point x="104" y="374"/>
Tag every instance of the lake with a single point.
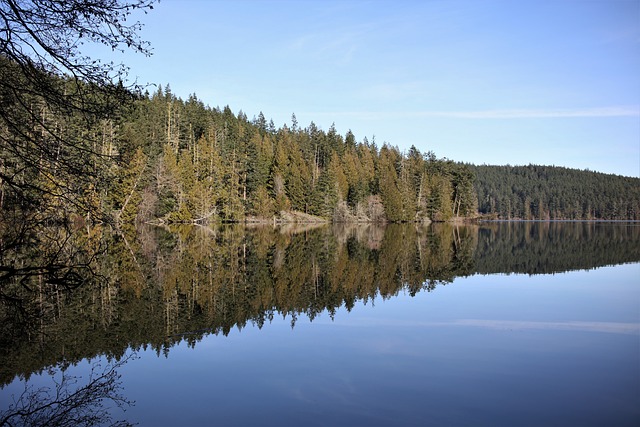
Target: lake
<point x="514" y="323"/>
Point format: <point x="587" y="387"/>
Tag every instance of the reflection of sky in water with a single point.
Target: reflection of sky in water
<point x="484" y="350"/>
<point x="609" y="327"/>
<point x="608" y="294"/>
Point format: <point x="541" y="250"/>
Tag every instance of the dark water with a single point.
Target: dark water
<point x="501" y="324"/>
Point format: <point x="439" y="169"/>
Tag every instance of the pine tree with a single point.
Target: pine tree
<point x="325" y="196"/>
<point x="388" y="182"/>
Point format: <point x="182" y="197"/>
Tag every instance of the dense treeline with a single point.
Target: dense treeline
<point x="162" y="158"/>
<point x="186" y="162"/>
<point x="89" y="156"/>
<point x="553" y="193"/>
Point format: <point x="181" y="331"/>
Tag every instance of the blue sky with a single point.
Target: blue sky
<point x="482" y="81"/>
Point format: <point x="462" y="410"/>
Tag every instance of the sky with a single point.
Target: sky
<point x="521" y="82"/>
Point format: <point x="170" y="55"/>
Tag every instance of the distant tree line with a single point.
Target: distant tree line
<point x="555" y="193"/>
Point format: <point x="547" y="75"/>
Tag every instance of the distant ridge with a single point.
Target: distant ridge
<point x="555" y="192"/>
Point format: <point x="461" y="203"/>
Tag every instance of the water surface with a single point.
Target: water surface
<point x="503" y="324"/>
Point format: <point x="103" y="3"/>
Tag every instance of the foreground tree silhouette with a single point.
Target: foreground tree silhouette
<point x="52" y="96"/>
<point x="54" y="154"/>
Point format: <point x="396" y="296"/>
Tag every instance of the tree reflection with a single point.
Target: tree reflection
<point x="70" y="403"/>
<point x="554" y="247"/>
<point x="162" y="286"/>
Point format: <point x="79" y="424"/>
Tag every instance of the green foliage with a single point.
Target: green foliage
<point x="325" y="195"/>
<point x="388" y="178"/>
<point x="204" y="164"/>
<point x="263" y="204"/>
<point x="212" y="165"/>
<point x="549" y="192"/>
<point x="166" y="159"/>
<point x="127" y="188"/>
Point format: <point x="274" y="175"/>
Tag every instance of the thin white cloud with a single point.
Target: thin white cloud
<point x="608" y="327"/>
<point x="337" y="45"/>
<point x="615" y="111"/>
<point x="511" y="325"/>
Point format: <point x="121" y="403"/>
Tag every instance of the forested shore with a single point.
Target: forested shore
<point x="162" y="159"/>
<point x="75" y="155"/>
<point x="183" y="161"/>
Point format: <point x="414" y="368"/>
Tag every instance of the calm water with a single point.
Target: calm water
<point x="501" y="324"/>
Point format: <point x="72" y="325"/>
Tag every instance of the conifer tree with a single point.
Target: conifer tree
<point x="388" y="179"/>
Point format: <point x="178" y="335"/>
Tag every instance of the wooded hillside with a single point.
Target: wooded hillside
<point x="552" y="192"/>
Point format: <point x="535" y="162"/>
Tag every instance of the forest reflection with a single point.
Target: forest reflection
<point x="158" y="286"/>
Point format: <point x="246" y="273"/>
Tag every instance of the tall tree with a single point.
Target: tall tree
<point x="388" y="178"/>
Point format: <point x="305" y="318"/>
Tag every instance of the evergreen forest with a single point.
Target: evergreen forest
<point x="554" y="193"/>
<point x="158" y="158"/>
<point x="182" y="161"/>
<point x="162" y="159"/>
